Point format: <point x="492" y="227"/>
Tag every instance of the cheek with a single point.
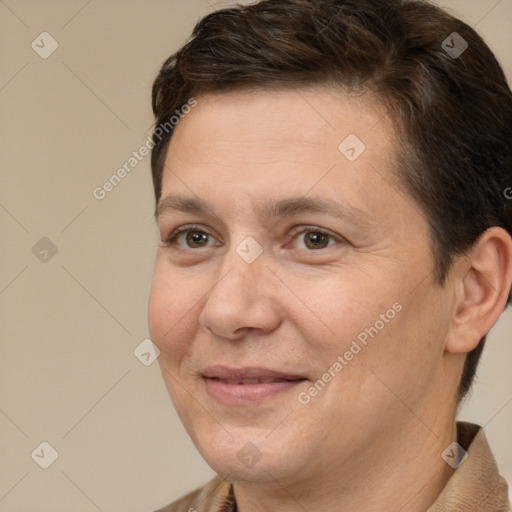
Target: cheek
<point x="171" y="314"/>
<point x="405" y="357"/>
<point x="342" y="312"/>
<point x="362" y="328"/>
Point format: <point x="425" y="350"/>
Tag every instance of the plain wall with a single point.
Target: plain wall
<point x="69" y="325"/>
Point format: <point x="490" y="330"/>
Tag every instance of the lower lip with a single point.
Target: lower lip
<point x="247" y="394"/>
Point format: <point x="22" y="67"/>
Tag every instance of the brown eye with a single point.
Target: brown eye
<point x="195" y="239"/>
<point x="190" y="237"/>
<point x="316" y="240"/>
<point x="313" y="238"/>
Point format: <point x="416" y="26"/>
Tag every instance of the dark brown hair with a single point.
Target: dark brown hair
<point x="452" y="113"/>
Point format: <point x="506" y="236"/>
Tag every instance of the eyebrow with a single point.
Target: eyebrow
<point x="182" y="204"/>
<point x="269" y="209"/>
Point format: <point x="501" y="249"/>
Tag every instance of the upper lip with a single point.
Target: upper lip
<point x="234" y="374"/>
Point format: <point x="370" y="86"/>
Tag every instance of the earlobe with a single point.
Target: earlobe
<point x="485" y="276"/>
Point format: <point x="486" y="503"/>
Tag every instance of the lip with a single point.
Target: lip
<point x="247" y="386"/>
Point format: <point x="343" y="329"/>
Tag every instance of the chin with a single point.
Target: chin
<point x="251" y="457"/>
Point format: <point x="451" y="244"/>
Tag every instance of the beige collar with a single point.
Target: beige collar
<point x="475" y="486"/>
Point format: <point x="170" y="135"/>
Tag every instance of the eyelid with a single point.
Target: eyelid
<point x="171" y="238"/>
<point x="306" y="229"/>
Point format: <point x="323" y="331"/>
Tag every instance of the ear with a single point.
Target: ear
<point x="483" y="279"/>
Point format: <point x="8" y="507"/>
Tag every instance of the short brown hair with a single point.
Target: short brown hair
<point x="453" y="113"/>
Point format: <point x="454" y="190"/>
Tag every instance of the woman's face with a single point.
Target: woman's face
<point x="293" y="298"/>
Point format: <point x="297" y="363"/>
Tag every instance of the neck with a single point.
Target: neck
<point x="402" y="472"/>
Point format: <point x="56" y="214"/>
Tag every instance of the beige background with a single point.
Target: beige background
<point x="69" y="326"/>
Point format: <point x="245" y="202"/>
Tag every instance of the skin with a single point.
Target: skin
<point x="371" y="439"/>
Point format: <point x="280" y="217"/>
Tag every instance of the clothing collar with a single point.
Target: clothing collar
<point x="475" y="486"/>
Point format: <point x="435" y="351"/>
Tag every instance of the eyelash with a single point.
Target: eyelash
<point x="314" y="229"/>
<point x="172" y="238"/>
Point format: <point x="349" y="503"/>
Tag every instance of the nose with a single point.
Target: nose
<point x="242" y="300"/>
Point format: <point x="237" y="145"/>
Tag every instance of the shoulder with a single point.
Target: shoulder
<point x="476" y="484"/>
<point x="215" y="496"/>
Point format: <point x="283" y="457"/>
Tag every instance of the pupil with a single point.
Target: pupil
<point x="316" y="240"/>
<point x="196" y="238"/>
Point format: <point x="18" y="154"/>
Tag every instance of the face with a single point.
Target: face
<point x="293" y="299"/>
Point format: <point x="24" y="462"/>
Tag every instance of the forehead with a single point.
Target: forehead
<point x="282" y="143"/>
<point x="307" y="126"/>
<point x="295" y="117"/>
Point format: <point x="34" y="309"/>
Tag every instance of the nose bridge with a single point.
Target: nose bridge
<point x="242" y="297"/>
<point x="243" y="268"/>
<point x="234" y="278"/>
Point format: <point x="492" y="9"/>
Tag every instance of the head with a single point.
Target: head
<point x="423" y="200"/>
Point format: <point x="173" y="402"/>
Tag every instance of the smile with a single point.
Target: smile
<point x="247" y="386"/>
<point x="252" y="381"/>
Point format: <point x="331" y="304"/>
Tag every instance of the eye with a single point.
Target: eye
<point x="190" y="237"/>
<point x="312" y="238"/>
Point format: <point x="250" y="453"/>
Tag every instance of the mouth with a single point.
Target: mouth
<point x="247" y="386"/>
